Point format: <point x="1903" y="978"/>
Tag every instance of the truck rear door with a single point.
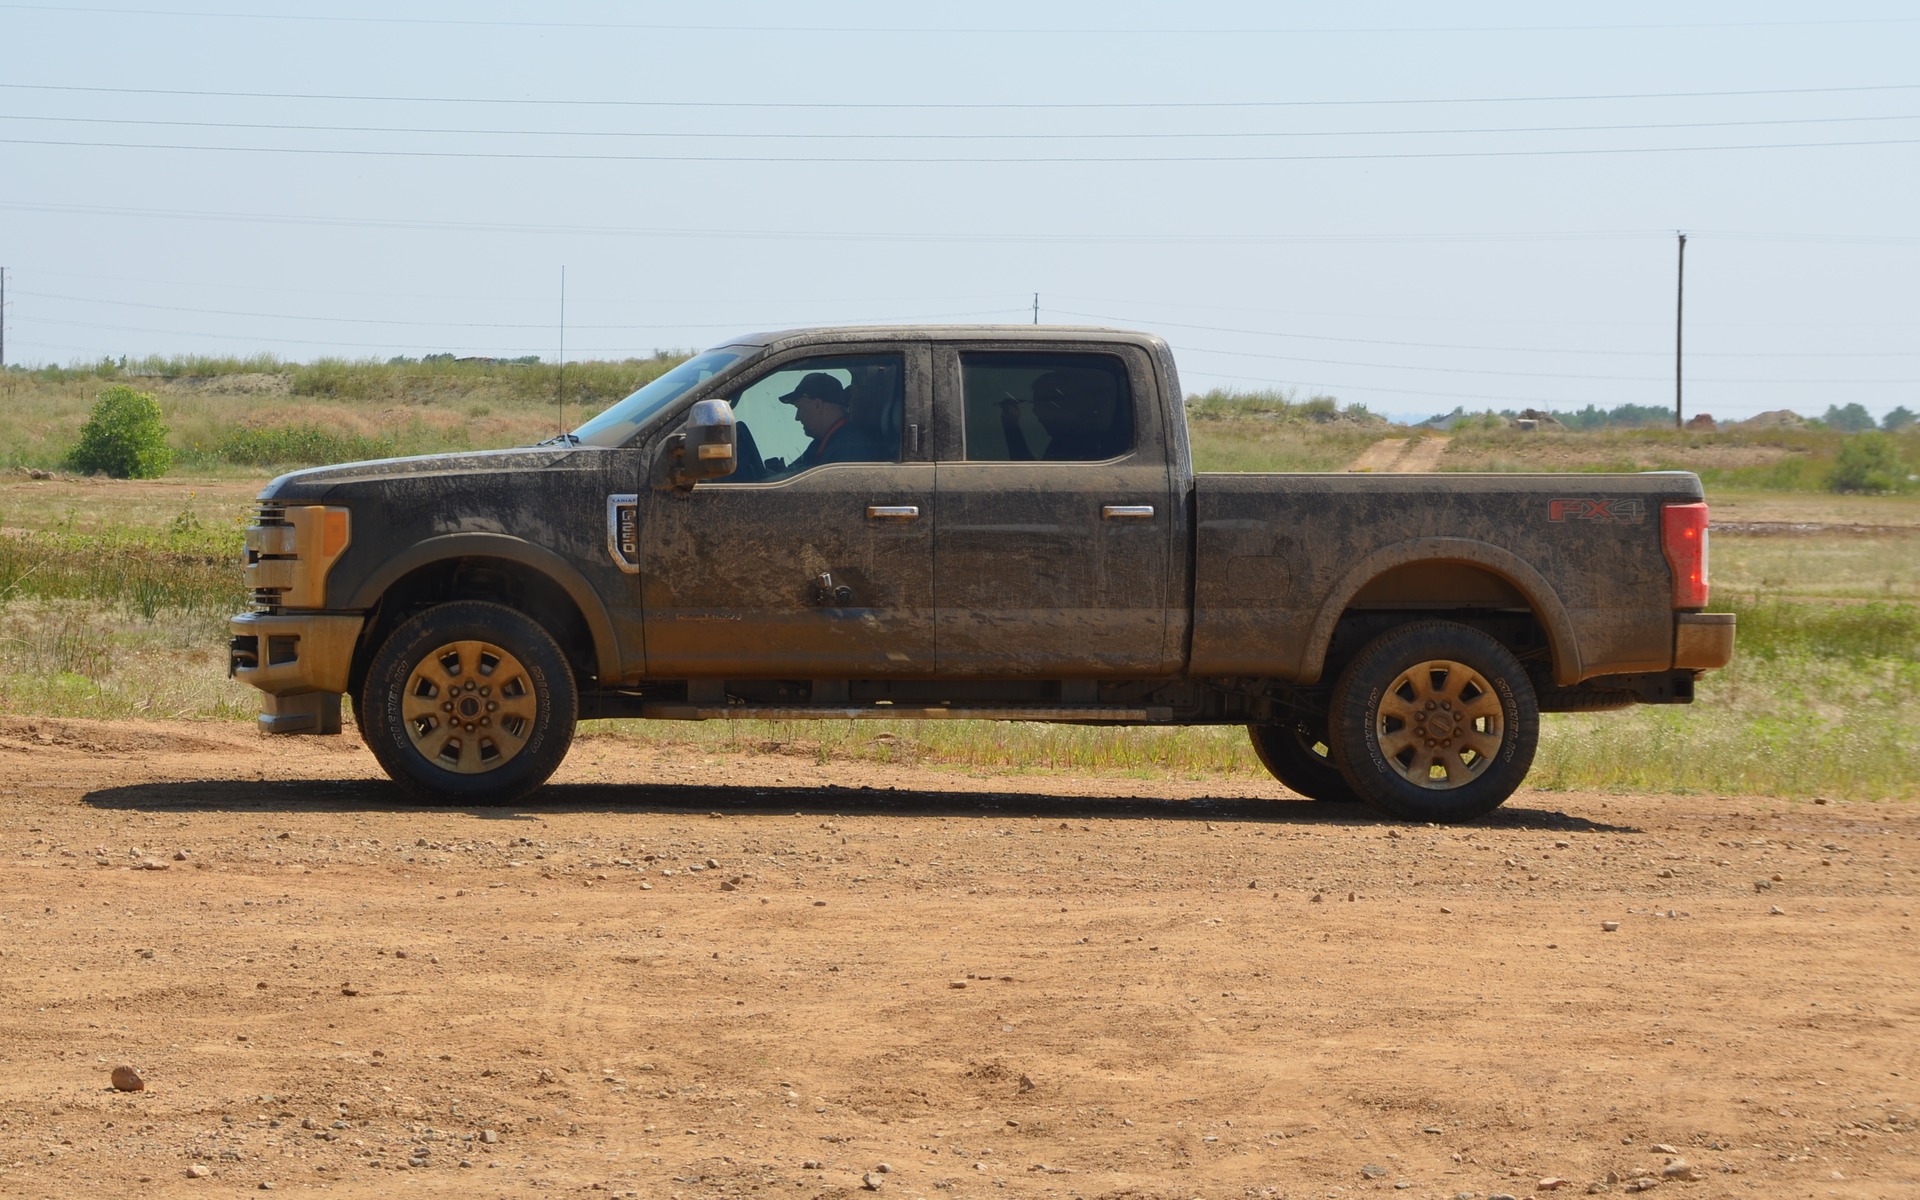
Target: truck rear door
<point x="1053" y="553"/>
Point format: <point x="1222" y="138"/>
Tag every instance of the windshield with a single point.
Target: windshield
<point x="618" y="423"/>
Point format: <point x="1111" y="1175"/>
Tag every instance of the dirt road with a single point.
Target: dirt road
<point x="1402" y="455"/>
<point x="703" y="976"/>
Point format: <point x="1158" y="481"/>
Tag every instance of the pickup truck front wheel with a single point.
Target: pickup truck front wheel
<point x="469" y="702"/>
<point x="1297" y="753"/>
<point x="1434" y="721"/>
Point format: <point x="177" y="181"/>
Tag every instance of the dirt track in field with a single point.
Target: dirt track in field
<point x="696" y="976"/>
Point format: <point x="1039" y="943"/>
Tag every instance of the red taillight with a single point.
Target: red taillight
<point x="1683" y="535"/>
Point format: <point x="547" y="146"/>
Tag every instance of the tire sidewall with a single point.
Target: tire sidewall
<point x="1281" y="750"/>
<point x="556" y="702"/>
<point x="1357" y="698"/>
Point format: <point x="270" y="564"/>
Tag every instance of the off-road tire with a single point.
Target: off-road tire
<point x="469" y="703"/>
<point x="1298" y="754"/>
<point x="1434" y="696"/>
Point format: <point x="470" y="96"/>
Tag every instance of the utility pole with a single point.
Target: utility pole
<point x="1036" y="308"/>
<point x="560" y="388"/>
<point x="3" y="318"/>
<point x="1679" y="327"/>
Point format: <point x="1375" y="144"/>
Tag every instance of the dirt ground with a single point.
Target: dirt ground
<point x="697" y="976"/>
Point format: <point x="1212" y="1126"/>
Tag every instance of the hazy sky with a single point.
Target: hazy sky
<point x="1406" y="205"/>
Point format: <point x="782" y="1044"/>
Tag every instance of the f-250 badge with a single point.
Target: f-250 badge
<point x="623" y="532"/>
<point x="1616" y="511"/>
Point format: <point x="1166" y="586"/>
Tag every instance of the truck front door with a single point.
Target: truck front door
<point x="814" y="560"/>
<point x="1053" y="552"/>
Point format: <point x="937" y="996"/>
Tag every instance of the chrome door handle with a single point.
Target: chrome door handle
<point x="1127" y="512"/>
<point x="893" y="512"/>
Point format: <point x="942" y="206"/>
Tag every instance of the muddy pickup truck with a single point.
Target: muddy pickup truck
<point x="963" y="522"/>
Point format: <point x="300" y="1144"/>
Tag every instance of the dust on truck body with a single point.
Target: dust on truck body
<point x="947" y="522"/>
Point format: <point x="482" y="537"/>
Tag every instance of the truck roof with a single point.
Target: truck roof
<point x="815" y="335"/>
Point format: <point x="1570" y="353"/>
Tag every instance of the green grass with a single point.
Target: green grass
<point x="115" y="604"/>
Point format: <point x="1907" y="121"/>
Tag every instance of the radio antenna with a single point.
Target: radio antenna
<point x="560" y="388"/>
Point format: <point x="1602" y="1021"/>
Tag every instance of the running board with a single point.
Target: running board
<point x="668" y="710"/>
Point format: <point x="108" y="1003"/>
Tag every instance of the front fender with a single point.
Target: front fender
<point x="606" y="646"/>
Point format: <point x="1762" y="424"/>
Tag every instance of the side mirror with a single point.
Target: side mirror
<point x="705" y="449"/>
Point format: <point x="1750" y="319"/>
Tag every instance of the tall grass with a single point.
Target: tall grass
<point x="258" y="411"/>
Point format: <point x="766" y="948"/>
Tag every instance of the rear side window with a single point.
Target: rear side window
<point x="1045" y="407"/>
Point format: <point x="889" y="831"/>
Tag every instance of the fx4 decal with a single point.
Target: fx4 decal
<point x="1619" y="512"/>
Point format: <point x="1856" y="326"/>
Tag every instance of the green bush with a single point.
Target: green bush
<point x="1867" y="462"/>
<point x="123" y="437"/>
<point x="298" y="446"/>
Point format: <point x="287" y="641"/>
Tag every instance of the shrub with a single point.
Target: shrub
<point x="1867" y="462"/>
<point x="123" y="437"/>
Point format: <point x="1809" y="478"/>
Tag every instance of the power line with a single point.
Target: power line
<point x="1379" y="366"/>
<point x="1314" y="337"/>
<point x="1040" y="237"/>
<point x="1198" y="135"/>
<point x="1019" y="106"/>
<point x="956" y="160"/>
<point x="938" y="30"/>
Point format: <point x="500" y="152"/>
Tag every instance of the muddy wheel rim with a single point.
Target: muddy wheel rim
<point x="469" y="707"/>
<point x="1440" y="725"/>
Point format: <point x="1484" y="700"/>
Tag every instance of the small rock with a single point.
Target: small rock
<point x="1663" y="1148"/>
<point x="713" y="864"/>
<point x="154" y="864"/>
<point x="126" y="1079"/>
<point x="1645" y="1183"/>
<point x="179" y="856"/>
<point x="727" y="885"/>
<point x="1551" y="1183"/>
<point x="1373" y="1170"/>
<point x="883" y="1168"/>
<point x="812" y="1164"/>
<point x="1680" y="1169"/>
<point x="1776" y="911"/>
<point x="871" y="1181"/>
<point x="1762" y="885"/>
<point x="1610" y="927"/>
<point x="489" y="1137"/>
<point x="1316" y="898"/>
<point x="347" y="989"/>
<point x="957" y="983"/>
<point x="1026" y="1084"/>
<point x="196" y="1171"/>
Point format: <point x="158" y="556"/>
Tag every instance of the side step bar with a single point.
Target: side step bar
<point x="673" y="710"/>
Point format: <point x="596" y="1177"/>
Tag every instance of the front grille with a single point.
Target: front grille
<point x="267" y="514"/>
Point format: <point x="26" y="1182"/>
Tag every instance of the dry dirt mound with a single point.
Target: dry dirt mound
<point x="1779" y="418"/>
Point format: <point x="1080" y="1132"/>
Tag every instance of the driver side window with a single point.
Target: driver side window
<point x="820" y="410"/>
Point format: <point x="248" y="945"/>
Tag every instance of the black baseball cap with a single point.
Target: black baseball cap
<point x="821" y="386"/>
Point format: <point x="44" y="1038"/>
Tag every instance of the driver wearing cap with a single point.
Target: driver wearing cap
<point x="820" y="403"/>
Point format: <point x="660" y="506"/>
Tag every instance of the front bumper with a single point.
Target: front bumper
<point x="300" y="661"/>
<point x="1702" y="641"/>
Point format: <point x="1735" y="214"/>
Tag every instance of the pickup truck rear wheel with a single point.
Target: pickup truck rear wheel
<point x="1298" y="754"/>
<point x="1434" y="721"/>
<point x="470" y="702"/>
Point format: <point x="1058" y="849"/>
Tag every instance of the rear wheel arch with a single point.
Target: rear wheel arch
<point x="1459" y="574"/>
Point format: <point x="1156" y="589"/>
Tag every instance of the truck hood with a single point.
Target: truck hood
<point x="318" y="484"/>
